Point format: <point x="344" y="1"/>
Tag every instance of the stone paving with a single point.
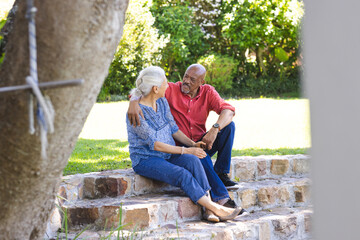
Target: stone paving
<point x="274" y="189"/>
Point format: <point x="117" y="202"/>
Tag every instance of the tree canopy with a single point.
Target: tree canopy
<point x="260" y="38"/>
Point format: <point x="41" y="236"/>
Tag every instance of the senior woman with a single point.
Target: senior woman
<point x="153" y="151"/>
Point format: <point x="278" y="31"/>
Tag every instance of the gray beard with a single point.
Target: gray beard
<point x="182" y="90"/>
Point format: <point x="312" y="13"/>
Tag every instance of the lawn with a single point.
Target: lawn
<point x="263" y="127"/>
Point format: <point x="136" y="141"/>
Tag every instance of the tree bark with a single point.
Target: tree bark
<point x="75" y="39"/>
<point x="260" y="61"/>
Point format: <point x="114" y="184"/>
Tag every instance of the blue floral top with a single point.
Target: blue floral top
<point x="157" y="126"/>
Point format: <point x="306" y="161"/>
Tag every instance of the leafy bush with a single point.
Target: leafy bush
<point x="264" y="38"/>
<point x="3" y="19"/>
<point x="265" y="86"/>
<point x="186" y="44"/>
<point x="219" y="71"/>
<point x="260" y="36"/>
<point x="139" y="47"/>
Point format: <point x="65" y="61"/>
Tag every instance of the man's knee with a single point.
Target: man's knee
<point x="206" y="161"/>
<point x="229" y="129"/>
<point x="231" y="126"/>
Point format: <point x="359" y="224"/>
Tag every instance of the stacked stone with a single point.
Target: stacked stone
<point x="275" y="189"/>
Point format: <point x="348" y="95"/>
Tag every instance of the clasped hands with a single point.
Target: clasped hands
<point x="206" y="143"/>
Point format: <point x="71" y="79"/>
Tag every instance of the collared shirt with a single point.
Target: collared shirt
<point x="189" y="113"/>
<point x="157" y="126"/>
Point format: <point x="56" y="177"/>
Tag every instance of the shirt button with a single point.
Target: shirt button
<point x="189" y="111"/>
<point x="191" y="128"/>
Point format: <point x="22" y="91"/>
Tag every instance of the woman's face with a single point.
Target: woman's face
<point x="162" y="88"/>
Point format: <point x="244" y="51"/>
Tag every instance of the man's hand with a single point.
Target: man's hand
<point x="200" y="144"/>
<point x="210" y="137"/>
<point x="133" y="113"/>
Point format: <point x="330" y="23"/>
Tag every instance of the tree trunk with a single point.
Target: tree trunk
<point x="260" y="61"/>
<point x="75" y="39"/>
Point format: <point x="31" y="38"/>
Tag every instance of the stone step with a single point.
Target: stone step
<point x="157" y="209"/>
<point x="270" y="193"/>
<point x="274" y="224"/>
<point x="262" y="167"/>
<point x="125" y="182"/>
<point x="146" y="212"/>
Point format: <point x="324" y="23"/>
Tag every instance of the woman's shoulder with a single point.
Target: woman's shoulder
<point x="163" y="105"/>
<point x="163" y="101"/>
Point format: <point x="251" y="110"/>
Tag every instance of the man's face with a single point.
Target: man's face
<point x="192" y="80"/>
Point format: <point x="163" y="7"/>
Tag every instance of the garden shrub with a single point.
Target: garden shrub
<point x="261" y="37"/>
<point x="3" y="19"/>
<point x="139" y="47"/>
<point x="186" y="43"/>
<point x="219" y="72"/>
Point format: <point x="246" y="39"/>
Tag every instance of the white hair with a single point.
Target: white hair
<point x="148" y="77"/>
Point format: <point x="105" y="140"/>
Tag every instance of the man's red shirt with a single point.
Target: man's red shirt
<point x="190" y="114"/>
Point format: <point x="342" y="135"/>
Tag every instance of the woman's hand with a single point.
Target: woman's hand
<point x="200" y="153"/>
<point x="200" y="144"/>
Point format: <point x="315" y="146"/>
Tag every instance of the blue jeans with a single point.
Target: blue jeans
<point x="223" y="145"/>
<point x="184" y="171"/>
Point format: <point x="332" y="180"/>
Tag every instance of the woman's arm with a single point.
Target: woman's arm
<point x="181" y="137"/>
<point x="166" y="148"/>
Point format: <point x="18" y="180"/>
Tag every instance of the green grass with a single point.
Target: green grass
<point x="263" y="127"/>
<point x="267" y="151"/>
<point x="98" y="155"/>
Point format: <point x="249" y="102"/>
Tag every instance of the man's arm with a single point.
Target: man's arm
<point x="133" y="112"/>
<point x="225" y="118"/>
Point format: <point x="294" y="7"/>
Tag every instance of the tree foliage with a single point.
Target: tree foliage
<point x="186" y="39"/>
<point x="264" y="37"/>
<point x="261" y="37"/>
<point x="138" y="48"/>
<point x="219" y="70"/>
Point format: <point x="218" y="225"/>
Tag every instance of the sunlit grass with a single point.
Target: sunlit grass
<point x="98" y="155"/>
<point x="267" y="151"/>
<point x="264" y="126"/>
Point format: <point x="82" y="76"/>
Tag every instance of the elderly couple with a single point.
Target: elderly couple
<point x="152" y="132"/>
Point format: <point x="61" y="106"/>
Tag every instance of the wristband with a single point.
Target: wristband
<point x="182" y="150"/>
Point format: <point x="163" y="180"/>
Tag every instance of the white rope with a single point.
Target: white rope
<point x="45" y="112"/>
<point x="44" y="106"/>
<point x="31" y="114"/>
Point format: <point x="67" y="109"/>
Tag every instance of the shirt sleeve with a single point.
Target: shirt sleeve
<point x="218" y="104"/>
<point x="144" y="131"/>
<point x="173" y="126"/>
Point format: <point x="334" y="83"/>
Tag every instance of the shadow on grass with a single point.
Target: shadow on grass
<point x="92" y="155"/>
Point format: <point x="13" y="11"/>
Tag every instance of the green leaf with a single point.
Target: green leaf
<point x="281" y="54"/>
<point x="2" y="23"/>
